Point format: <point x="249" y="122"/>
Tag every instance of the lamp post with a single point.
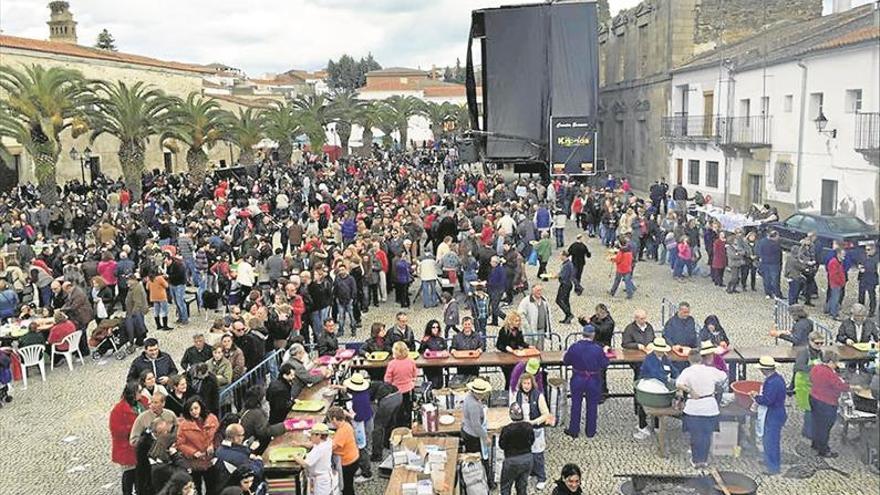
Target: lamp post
<point x="822" y="122"/>
<point x="83" y="157"/>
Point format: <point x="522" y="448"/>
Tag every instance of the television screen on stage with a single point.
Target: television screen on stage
<point x="572" y="146"/>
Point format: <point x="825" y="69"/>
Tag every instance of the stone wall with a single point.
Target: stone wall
<point x="742" y="18"/>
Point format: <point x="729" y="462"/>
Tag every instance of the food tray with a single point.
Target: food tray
<point x="286" y="454"/>
<point x="436" y="354"/>
<point x="862" y="346"/>
<point x="308" y="405"/>
<point x="326" y="360"/>
<point x="316" y="372"/>
<point x="413" y="355"/>
<point x="344" y="354"/>
<point x="298" y="424"/>
<point x="377" y="356"/>
<point x="474" y="354"/>
<point x="527" y="352"/>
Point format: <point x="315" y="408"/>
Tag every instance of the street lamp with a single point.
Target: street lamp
<point x="83" y="157"/>
<point x="822" y="123"/>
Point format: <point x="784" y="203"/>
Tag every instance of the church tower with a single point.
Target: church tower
<point x="62" y="27"/>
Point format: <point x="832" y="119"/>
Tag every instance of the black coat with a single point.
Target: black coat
<point x="278" y="394"/>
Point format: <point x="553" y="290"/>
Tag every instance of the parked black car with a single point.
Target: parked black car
<point x="852" y="232"/>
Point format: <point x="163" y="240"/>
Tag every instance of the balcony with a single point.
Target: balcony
<point x="745" y="132"/>
<point x="689" y="128"/>
<point x="867" y="136"/>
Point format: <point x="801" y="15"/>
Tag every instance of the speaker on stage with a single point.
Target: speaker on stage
<point x="467" y="151"/>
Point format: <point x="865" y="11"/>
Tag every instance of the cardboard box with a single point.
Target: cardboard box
<point x="409" y="489"/>
<point x="726" y="440"/>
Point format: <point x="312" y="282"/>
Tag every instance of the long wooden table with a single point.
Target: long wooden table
<point x="290" y="438"/>
<point x="497" y="418"/>
<point x="400" y="475"/>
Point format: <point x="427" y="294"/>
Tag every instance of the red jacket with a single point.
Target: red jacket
<point x="836" y="275"/>
<point x="719" y="255"/>
<point x="122" y="417"/>
<point x="825" y="385"/>
<point x="383" y="259"/>
<point x="59" y="331"/>
<point x="624" y="261"/>
<point x="193" y="437"/>
<point x="298" y="308"/>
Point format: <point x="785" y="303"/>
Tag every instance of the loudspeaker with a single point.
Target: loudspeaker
<point x="468" y="152"/>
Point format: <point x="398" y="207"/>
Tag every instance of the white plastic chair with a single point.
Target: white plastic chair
<point x="32" y="355"/>
<point x="72" y="342"/>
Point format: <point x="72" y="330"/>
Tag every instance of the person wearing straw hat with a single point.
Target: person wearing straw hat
<point x="656" y="366"/>
<point x="474" y="429"/>
<point x="359" y="388"/>
<point x="772" y="400"/>
<point x="700" y="380"/>
<point x="588" y="361"/>
<point x="318" y="463"/>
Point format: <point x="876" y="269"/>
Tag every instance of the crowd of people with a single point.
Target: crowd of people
<point x="296" y="255"/>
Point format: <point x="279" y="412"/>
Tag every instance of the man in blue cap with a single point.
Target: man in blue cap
<point x="588" y="360"/>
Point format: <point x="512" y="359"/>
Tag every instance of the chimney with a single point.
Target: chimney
<point x="839" y="6"/>
<point x="62" y="27"/>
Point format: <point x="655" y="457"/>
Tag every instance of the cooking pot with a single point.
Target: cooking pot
<point x="737" y="484"/>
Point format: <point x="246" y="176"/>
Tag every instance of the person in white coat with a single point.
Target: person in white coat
<point x="318" y="463"/>
<point x="537" y="314"/>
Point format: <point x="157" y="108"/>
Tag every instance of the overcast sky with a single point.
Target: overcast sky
<point x="262" y="36"/>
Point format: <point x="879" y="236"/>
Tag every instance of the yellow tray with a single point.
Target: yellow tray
<point x="377" y="356"/>
<point x="413" y="355"/>
<point x="308" y="405"/>
<point x="286" y="454"/>
<point x="862" y="346"/>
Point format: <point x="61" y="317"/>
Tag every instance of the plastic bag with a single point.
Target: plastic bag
<point x="533" y="258"/>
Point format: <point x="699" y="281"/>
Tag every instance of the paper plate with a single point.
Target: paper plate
<point x="377" y="356"/>
<point x="447" y="419"/>
<point x="308" y="405"/>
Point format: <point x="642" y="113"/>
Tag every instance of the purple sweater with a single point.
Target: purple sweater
<point x="360" y="404"/>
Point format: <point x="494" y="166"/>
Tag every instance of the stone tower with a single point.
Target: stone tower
<point x="62" y="27"/>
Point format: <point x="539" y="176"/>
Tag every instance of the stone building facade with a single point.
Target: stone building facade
<point x="638" y="49"/>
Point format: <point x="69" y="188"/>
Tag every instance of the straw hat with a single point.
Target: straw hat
<point x="766" y="363"/>
<point x="707" y="347"/>
<point x="659" y="344"/>
<point x="320" y="429"/>
<point x="533" y="365"/>
<point x="479" y="386"/>
<point x="357" y="383"/>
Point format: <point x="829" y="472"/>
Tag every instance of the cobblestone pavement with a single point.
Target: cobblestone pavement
<point x="54" y="438"/>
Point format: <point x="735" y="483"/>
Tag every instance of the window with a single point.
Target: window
<point x="787" y="103"/>
<point x="694" y="172"/>
<point x="853" y="100"/>
<point x="404" y="80"/>
<point x="816" y="101"/>
<point x="829" y="197"/>
<point x="712" y="174"/>
<point x="793" y="221"/>
<point x="808" y="224"/>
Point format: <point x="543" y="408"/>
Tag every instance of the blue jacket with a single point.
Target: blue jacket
<point x="402" y="274"/>
<point x="773" y="397"/>
<point x="349" y="229"/>
<point x="769" y="252"/>
<point x="868" y="278"/>
<point x="8" y="303"/>
<point x="542" y="218"/>
<point x="566" y="272"/>
<point x="585" y="355"/>
<point x="657" y="368"/>
<point x="497" y="281"/>
<point x="681" y="332"/>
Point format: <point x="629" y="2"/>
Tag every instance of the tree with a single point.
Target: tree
<point x="438" y="115"/>
<point x="386" y="121"/>
<point x="448" y="76"/>
<point x="131" y="114"/>
<point x="246" y="131"/>
<point x="347" y="73"/>
<point x="40" y="103"/>
<point x="10" y="128"/>
<point x="281" y="124"/>
<point x="200" y="124"/>
<point x="401" y="108"/>
<point x="458" y="72"/>
<point x="343" y="105"/>
<point x="366" y="65"/>
<point x="313" y="114"/>
<point x="106" y="41"/>
<point x="367" y="115"/>
<point x="462" y="119"/>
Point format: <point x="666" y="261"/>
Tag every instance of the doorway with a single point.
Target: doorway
<point x="829" y="197"/>
<point x="168" y="161"/>
<point x="94" y="167"/>
<point x="679" y="170"/>
<point x="708" y="112"/>
<point x="756" y="189"/>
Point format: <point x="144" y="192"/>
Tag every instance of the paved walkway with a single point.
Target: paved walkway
<point x="54" y="438"/>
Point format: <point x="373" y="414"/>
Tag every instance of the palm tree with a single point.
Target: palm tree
<point x="462" y="119"/>
<point x="131" y="114"/>
<point x="387" y="121"/>
<point x="367" y="115"/>
<point x="281" y="124"/>
<point x="44" y="102"/>
<point x="200" y="124"/>
<point x="314" y="113"/>
<point x="438" y="115"/>
<point x="10" y="128"/>
<point x="343" y="106"/>
<point x="246" y="132"/>
<point x="401" y="108"/>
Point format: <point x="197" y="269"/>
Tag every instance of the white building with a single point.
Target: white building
<point x="789" y="117"/>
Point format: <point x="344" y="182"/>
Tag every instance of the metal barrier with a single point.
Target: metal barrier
<point x="667" y="309"/>
<point x="232" y="397"/>
<point x="782" y="314"/>
<point x="829" y="334"/>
